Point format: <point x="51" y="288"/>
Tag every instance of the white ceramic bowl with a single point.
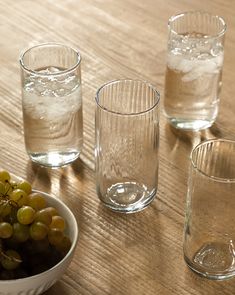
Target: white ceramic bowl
<point x="41" y="282"/>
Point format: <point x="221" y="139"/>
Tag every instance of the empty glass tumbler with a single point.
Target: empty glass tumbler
<point x="209" y="236"/>
<point x="127" y="139"/>
<point x="52" y="104"/>
<point x="193" y="76"/>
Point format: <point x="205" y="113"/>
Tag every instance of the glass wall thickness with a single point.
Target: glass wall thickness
<point x="127" y="140"/>
<point x="52" y="104"/>
<point x="193" y="78"/>
<point x="209" y="241"/>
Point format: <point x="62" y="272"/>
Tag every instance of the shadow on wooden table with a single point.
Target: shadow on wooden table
<point x="135" y="250"/>
<point x="190" y="137"/>
<point x="179" y="143"/>
<point x="197" y="282"/>
<point x="36" y="172"/>
<point x="56" y="289"/>
<point x="43" y="176"/>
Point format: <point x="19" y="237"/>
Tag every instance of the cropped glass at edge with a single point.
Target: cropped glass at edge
<point x="193" y="76"/>
<point x="127" y="137"/>
<point x="52" y="104"/>
<point x="209" y="237"/>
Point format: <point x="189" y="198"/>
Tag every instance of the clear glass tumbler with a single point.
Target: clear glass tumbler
<point x="193" y="76"/>
<point x="52" y="104"/>
<point x="209" y="235"/>
<point x="127" y="139"/>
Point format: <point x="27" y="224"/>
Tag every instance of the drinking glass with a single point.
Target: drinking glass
<point x="127" y="137"/>
<point x="193" y="76"/>
<point x="209" y="235"/>
<point x="52" y="104"/>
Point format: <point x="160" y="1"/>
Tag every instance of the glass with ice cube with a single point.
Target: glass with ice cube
<point x="193" y="77"/>
<point x="52" y="104"/>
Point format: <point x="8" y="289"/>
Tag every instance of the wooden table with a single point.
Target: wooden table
<point x="116" y="254"/>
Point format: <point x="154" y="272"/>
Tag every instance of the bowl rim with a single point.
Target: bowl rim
<point x="71" y="250"/>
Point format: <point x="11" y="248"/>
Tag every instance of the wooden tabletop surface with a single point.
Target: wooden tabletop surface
<point x="117" y="254"/>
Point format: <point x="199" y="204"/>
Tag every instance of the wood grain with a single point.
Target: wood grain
<point x="116" y="254"/>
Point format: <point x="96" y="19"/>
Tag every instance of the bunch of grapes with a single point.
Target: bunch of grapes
<point x="32" y="236"/>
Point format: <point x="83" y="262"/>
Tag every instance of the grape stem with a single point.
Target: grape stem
<point x="6" y="193"/>
<point x="2" y="254"/>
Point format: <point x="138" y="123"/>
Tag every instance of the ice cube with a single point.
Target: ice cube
<point x="49" y="70"/>
<point x="200" y="68"/>
<point x="190" y="76"/>
<point x="39" y="88"/>
<point x="53" y="70"/>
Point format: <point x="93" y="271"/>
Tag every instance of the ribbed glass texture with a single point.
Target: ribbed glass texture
<point x="127" y="139"/>
<point x="197" y="22"/>
<point x="52" y="104"/>
<point x="193" y="78"/>
<point x="209" y="241"/>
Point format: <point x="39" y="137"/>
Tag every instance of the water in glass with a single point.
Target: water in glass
<point x="52" y="111"/>
<point x="193" y="82"/>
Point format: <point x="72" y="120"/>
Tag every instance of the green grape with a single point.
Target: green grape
<point x="37" y="201"/>
<point x="13" y="184"/>
<point x="38" y="231"/>
<point x="4" y="176"/>
<point x="12" y="216"/>
<point x="25" y="186"/>
<point x="64" y="245"/>
<point x="25" y="215"/>
<point x="20" y="232"/>
<point x="43" y="216"/>
<point x="5" y="208"/>
<point x="11" y="260"/>
<point x="28" y="229"/>
<point x="8" y="188"/>
<point x="2" y="189"/>
<point x="55" y="236"/>
<point x="6" y="230"/>
<point x="58" y="222"/>
<point x="20" y="197"/>
<point x="52" y="211"/>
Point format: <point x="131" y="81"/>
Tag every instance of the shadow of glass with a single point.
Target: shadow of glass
<point x="134" y="248"/>
<point x="38" y="176"/>
<point x="198" y="282"/>
<point x="58" y="288"/>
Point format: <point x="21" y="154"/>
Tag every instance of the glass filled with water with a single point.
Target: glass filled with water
<point x="52" y="104"/>
<point x="127" y="137"/>
<point x="193" y="76"/>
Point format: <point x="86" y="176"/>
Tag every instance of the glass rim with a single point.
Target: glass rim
<point x="195" y="166"/>
<point x="179" y="15"/>
<point x="156" y="92"/>
<point x="47" y="44"/>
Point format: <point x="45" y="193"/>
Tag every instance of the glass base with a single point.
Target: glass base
<point x="127" y="197"/>
<point x="214" y="261"/>
<point x="54" y="159"/>
<point x="190" y="125"/>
